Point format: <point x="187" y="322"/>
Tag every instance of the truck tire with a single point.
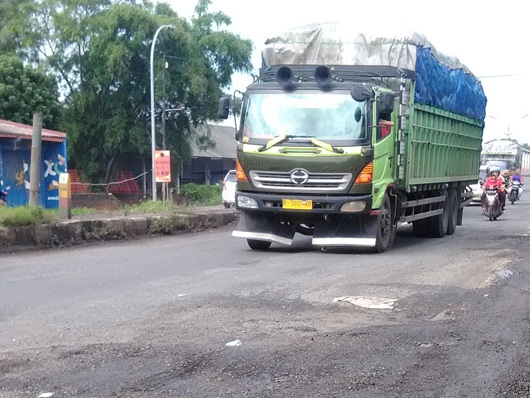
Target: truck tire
<point x="258" y="244"/>
<point x="452" y="212"/>
<point x="419" y="228"/>
<point x="437" y="225"/>
<point x="384" y="226"/>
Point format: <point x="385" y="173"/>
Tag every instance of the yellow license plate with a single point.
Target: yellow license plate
<point x="297" y="204"/>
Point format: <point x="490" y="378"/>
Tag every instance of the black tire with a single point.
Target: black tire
<point x="452" y="212"/>
<point x="490" y="213"/>
<point x="227" y="205"/>
<point x="419" y="228"/>
<point x="437" y="225"/>
<point x="258" y="244"/>
<point x="384" y="226"/>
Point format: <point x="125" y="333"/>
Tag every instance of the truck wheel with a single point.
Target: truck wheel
<point x="384" y="226"/>
<point x="258" y="244"/>
<point x="452" y="212"/>
<point x="438" y="224"/>
<point x="419" y="228"/>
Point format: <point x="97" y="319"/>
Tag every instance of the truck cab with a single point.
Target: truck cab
<point x="312" y="151"/>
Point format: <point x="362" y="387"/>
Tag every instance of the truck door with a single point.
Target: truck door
<point x="383" y="141"/>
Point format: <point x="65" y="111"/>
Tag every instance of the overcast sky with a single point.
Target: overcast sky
<point x="490" y="38"/>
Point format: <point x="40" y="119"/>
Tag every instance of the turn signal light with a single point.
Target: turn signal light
<point x="366" y="174"/>
<point x="240" y="173"/>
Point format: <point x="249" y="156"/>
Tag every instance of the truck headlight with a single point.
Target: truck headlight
<point x="353" y="207"/>
<point x="246" y="202"/>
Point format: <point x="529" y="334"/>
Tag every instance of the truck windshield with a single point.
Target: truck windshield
<point x="324" y="116"/>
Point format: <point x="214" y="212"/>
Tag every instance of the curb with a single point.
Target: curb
<point x="73" y="232"/>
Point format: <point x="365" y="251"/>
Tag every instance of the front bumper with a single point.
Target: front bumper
<point x="321" y="204"/>
<point x="269" y="221"/>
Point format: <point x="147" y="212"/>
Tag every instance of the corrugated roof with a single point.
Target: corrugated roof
<point x="225" y="142"/>
<point x="13" y="130"/>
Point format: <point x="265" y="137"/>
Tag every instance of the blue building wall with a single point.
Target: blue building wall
<point x="15" y="160"/>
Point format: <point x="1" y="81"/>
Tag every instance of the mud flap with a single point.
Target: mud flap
<point x="257" y="226"/>
<point x="360" y="231"/>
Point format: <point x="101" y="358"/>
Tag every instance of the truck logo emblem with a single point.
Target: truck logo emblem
<point x="299" y="177"/>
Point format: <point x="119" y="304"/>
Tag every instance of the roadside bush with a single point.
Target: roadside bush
<point x="149" y="206"/>
<point x="168" y="225"/>
<point x="25" y="216"/>
<point x="203" y="194"/>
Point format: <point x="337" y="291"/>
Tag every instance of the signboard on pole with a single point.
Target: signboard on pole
<point x="162" y="166"/>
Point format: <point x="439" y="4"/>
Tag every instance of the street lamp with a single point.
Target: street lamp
<point x="153" y="136"/>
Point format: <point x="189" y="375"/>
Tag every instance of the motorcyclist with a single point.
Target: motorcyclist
<point x="516" y="177"/>
<point x="494" y="181"/>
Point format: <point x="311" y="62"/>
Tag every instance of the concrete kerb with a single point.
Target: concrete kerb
<point x="77" y="231"/>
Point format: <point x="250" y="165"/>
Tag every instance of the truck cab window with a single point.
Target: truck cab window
<point x="384" y="127"/>
<point x="312" y="114"/>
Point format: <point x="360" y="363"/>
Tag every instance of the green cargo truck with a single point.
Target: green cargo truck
<point x="343" y="140"/>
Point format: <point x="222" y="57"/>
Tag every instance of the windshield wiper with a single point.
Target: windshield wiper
<point x="326" y="146"/>
<point x="307" y="138"/>
<point x="279" y="140"/>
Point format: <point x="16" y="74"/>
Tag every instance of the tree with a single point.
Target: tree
<point x="99" y="51"/>
<point x="25" y="90"/>
<point x="116" y="84"/>
<point x="14" y="23"/>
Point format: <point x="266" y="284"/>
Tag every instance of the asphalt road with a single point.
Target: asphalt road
<point x="152" y="318"/>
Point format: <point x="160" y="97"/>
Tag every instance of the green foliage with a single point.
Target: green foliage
<point x="149" y="206"/>
<point x="25" y="216"/>
<point x="14" y="23"/>
<point x="83" y="210"/>
<point x="99" y="53"/>
<point x="168" y="225"/>
<point x="203" y="194"/>
<point x="25" y="90"/>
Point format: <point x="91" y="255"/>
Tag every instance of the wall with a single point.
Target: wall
<point x="15" y="160"/>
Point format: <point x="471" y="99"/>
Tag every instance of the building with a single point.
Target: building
<point x="211" y="165"/>
<point x="15" y="163"/>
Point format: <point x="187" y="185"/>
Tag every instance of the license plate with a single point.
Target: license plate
<point x="297" y="204"/>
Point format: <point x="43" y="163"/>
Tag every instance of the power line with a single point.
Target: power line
<point x="495" y="76"/>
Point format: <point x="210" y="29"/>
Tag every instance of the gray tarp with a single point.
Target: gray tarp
<point x="338" y="44"/>
<point x="441" y="81"/>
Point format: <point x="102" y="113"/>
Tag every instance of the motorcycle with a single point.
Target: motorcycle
<point x="493" y="204"/>
<point x="515" y="191"/>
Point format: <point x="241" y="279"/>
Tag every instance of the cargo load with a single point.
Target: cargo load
<point x="441" y="81"/>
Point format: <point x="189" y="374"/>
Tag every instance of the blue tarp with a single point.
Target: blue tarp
<point x="453" y="90"/>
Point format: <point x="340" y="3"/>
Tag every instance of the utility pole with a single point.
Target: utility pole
<point x="34" y="175"/>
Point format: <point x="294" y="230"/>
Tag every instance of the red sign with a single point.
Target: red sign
<point x="162" y="166"/>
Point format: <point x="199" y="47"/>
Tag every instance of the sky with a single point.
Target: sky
<point x="491" y="38"/>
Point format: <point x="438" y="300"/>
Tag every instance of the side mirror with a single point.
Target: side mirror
<point x="224" y="108"/>
<point x="360" y="92"/>
<point x="386" y="102"/>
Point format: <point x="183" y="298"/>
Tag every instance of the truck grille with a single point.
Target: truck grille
<point x="316" y="182"/>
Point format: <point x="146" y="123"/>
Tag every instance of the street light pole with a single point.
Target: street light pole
<point x="153" y="136"/>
